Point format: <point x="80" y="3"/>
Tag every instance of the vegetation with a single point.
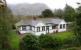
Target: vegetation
<point x="47" y="41"/>
<point x="10" y="40"/>
<point x="5" y="27"/>
<point x="47" y="13"/>
<point x="63" y="35"/>
<point x="78" y="27"/>
<point x="58" y="13"/>
<point x="79" y="9"/>
<point x="69" y="13"/>
<point x="63" y="40"/>
<point x="30" y="42"/>
<point x="14" y="40"/>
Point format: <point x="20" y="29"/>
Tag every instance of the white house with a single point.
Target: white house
<point x="41" y="26"/>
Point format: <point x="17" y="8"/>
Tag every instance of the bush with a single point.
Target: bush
<point x="72" y="41"/>
<point x="29" y="42"/>
<point x="47" y="41"/>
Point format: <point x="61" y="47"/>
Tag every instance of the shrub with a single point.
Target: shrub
<point x="29" y="42"/>
<point x="47" y="41"/>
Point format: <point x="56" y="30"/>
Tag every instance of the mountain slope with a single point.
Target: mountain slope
<point x="28" y="9"/>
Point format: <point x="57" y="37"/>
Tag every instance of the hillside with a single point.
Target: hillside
<point x="25" y="9"/>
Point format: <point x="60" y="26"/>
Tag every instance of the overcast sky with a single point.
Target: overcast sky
<point x="53" y="4"/>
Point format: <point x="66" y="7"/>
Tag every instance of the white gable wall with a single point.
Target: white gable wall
<point x="63" y="29"/>
<point x="40" y="24"/>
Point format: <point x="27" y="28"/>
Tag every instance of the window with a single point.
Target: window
<point x="38" y="29"/>
<point x="23" y="27"/>
<point x="47" y="27"/>
<point x="43" y="28"/>
<point x="53" y="27"/>
<point x="60" y="26"/>
<point x="63" y="25"/>
<point x="30" y="27"/>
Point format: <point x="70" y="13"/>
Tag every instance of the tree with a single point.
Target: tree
<point x="69" y="13"/>
<point x="79" y="9"/>
<point x="47" y="13"/>
<point x="30" y="42"/>
<point x="58" y="13"/>
<point x="77" y="29"/>
<point x="47" y="41"/>
<point x="5" y="25"/>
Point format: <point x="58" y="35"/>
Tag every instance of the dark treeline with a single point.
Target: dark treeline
<point x="68" y="13"/>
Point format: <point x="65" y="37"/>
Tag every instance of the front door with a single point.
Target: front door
<point x="47" y="29"/>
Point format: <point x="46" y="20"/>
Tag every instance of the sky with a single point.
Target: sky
<point x="53" y="4"/>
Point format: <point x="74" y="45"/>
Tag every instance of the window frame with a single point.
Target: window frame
<point x="43" y="28"/>
<point x="24" y="28"/>
<point x="64" y="26"/>
<point x="53" y="27"/>
<point x="60" y="26"/>
<point x="38" y="29"/>
<point x="30" y="27"/>
<point x="47" y="27"/>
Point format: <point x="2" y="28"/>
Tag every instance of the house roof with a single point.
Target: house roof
<point x="43" y="20"/>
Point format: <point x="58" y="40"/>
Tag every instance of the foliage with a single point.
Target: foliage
<point x="5" y="27"/>
<point x="47" y="13"/>
<point x="47" y="41"/>
<point x="78" y="26"/>
<point x="30" y="42"/>
<point x="69" y="13"/>
<point x="79" y="9"/>
<point x="58" y="13"/>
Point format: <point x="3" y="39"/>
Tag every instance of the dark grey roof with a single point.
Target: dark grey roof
<point x="43" y="20"/>
<point x="52" y="20"/>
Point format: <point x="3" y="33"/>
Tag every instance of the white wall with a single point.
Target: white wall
<point x="43" y="32"/>
<point x="63" y="29"/>
<point x="23" y="31"/>
<point x="40" y="24"/>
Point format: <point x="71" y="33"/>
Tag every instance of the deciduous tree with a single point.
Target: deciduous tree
<point x="47" y="13"/>
<point x="69" y="13"/>
<point x="58" y="13"/>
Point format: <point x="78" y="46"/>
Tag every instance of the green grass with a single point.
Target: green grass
<point x="62" y="35"/>
<point x="14" y="40"/>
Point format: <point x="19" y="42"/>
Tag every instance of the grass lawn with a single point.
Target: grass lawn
<point x="62" y="35"/>
<point x="14" y="40"/>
